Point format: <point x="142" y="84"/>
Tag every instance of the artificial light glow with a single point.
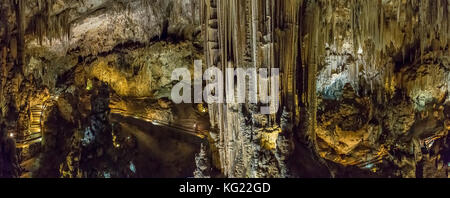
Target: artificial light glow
<point x="11" y="135"/>
<point x="360" y="50"/>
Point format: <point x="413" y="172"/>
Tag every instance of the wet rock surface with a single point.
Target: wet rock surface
<point x="85" y="88"/>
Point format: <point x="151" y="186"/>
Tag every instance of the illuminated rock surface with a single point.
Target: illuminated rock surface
<point x="85" y="88"/>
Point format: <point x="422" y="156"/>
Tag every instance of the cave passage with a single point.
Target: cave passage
<point x="341" y="89"/>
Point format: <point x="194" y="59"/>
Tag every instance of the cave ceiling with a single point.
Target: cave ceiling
<point x="87" y="88"/>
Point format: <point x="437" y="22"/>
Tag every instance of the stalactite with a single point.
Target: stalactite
<point x="249" y="34"/>
<point x="314" y="44"/>
<point x="432" y="24"/>
<point x="428" y="26"/>
<point x="448" y="86"/>
<point x="46" y="24"/>
<point x="20" y="38"/>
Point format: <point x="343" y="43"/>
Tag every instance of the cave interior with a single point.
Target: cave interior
<point x="86" y="89"/>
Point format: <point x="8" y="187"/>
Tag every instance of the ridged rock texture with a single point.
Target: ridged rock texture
<point x="357" y="78"/>
<point x="363" y="87"/>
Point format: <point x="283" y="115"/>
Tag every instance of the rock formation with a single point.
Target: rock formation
<point x="364" y="88"/>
